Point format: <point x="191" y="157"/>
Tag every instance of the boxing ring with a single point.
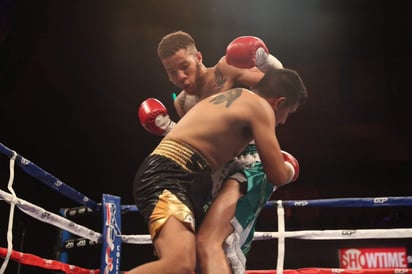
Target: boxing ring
<point x="110" y="238"/>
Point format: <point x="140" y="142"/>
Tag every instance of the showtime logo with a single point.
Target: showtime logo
<point x="364" y="258"/>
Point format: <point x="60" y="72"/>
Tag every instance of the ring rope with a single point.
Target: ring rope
<point x="48" y="217"/>
<point x="51" y="218"/>
<point x="33" y="260"/>
<point x="331" y="202"/>
<point x="49" y="180"/>
<point x="347" y="202"/>
<point x="11" y="213"/>
<point x="281" y="238"/>
<point x="338" y="234"/>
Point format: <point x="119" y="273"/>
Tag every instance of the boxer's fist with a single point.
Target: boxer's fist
<point x="250" y="51"/>
<point x="242" y="51"/>
<point x="292" y="163"/>
<point x="154" y="118"/>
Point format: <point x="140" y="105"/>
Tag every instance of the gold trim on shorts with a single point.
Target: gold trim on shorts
<point x="167" y="206"/>
<point x="182" y="154"/>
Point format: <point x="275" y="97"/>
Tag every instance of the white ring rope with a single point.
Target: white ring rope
<point x="13" y="201"/>
<point x="81" y="231"/>
<point x="51" y="218"/>
<point x="281" y="238"/>
<point x="344" y="234"/>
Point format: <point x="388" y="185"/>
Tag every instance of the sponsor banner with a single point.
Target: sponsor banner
<point x="366" y="258"/>
<point x="111" y="236"/>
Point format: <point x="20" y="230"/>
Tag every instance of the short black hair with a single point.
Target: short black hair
<point x="282" y="83"/>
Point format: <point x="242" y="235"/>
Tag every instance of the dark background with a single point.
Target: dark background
<point x="73" y="73"/>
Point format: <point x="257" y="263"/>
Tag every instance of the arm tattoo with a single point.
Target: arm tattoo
<point x="228" y="97"/>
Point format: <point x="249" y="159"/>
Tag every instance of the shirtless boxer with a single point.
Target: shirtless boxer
<point x="185" y="69"/>
<point x="173" y="183"/>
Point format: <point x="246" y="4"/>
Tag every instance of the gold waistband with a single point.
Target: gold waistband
<point x="187" y="157"/>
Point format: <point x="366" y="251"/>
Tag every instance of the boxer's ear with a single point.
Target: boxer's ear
<point x="199" y="56"/>
<point x="276" y="103"/>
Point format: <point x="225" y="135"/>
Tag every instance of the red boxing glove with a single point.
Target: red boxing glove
<point x="250" y="51"/>
<point x="154" y="118"/>
<point x="292" y="163"/>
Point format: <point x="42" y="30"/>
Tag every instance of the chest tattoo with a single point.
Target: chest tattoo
<point x="182" y="103"/>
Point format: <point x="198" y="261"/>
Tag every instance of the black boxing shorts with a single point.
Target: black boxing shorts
<point x="174" y="180"/>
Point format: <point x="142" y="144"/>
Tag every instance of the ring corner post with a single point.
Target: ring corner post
<point x="111" y="235"/>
